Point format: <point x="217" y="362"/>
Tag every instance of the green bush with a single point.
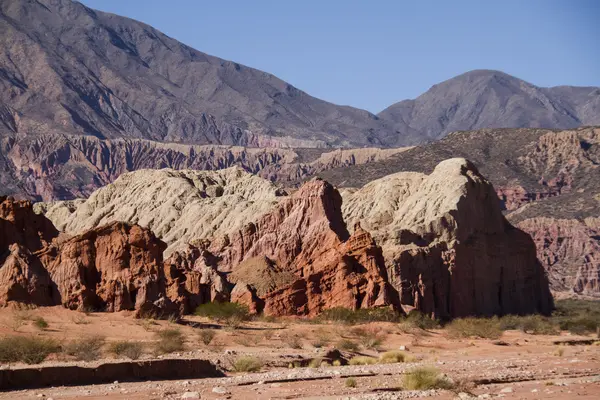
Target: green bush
<point x="579" y="317"/>
<point x="30" y="350"/>
<point x="425" y="378"/>
<point x="486" y="328"/>
<point x="247" y="364"/>
<point x="131" y="350"/>
<point x="417" y="320"/>
<point x="360" y="316"/>
<point x="85" y="349"/>
<point x="230" y="313"/>
<point x="533" y="324"/>
<point x="168" y="341"/>
<point x="40" y="323"/>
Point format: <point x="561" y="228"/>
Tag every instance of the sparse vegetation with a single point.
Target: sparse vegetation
<point x="247" y="364"/>
<point x="425" y="378"/>
<point x="533" y="324"/>
<point x="579" y="317"/>
<point x="348" y="345"/>
<point x="369" y="338"/>
<point x="168" y="341"/>
<point x="19" y="318"/>
<point x="86" y="348"/>
<point x="231" y="314"/>
<point x="80" y="320"/>
<point x="391" y="357"/>
<point x="293" y="341"/>
<point x="30" y="350"/>
<point x="417" y="321"/>
<point x="363" y="360"/>
<point x="350" y="382"/>
<point x="40" y="323"/>
<point x="322" y="339"/>
<point x="206" y="336"/>
<point x="363" y="315"/>
<point x="131" y="350"/>
<point x="485" y="328"/>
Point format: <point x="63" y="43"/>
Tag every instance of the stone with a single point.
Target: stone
<point x="507" y="390"/>
<point x="190" y="395"/>
<point x="448" y="249"/>
<point x="219" y="390"/>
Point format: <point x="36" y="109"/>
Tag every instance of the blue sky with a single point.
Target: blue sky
<point x="370" y="54"/>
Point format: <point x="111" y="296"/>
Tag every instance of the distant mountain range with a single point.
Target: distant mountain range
<point x="68" y="69"/>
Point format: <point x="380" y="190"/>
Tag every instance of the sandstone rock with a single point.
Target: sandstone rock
<point x="300" y="259"/>
<point x="22" y="233"/>
<point x="180" y="207"/>
<point x="191" y="279"/>
<point x="569" y="249"/>
<point x="448" y="249"/>
<point x="111" y="268"/>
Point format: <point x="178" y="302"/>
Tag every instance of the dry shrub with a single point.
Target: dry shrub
<point x="30" y="350"/>
<point x="363" y="360"/>
<point x="293" y="341"/>
<point x="206" y="335"/>
<point x="391" y="357"/>
<point x="247" y="364"/>
<point x="131" y="350"/>
<point x="231" y="314"/>
<point x="86" y="348"/>
<point x="350" y="382"/>
<point x="369" y="338"/>
<point x="168" y="341"/>
<point x="425" y="378"/>
<point x="486" y="328"/>
<point x="346" y="344"/>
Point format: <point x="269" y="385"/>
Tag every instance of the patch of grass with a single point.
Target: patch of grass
<point x="30" y="350"/>
<point x="247" y="340"/>
<point x="19" y="318"/>
<point x="425" y="378"/>
<point x="579" y="317"/>
<point x="350" y="382"/>
<point x="168" y="341"/>
<point x="346" y="344"/>
<point x="485" y="328"/>
<point x="40" y="323"/>
<point x="315" y="362"/>
<point x="206" y="335"/>
<point x="247" y="364"/>
<point x="86" y="348"/>
<point x="131" y="350"/>
<point x="392" y="357"/>
<point x="232" y="314"/>
<point x="360" y="316"/>
<point x="322" y="339"/>
<point x="363" y="360"/>
<point x="532" y="324"/>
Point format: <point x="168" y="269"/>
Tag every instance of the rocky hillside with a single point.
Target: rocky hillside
<point x="65" y="68"/>
<point x="492" y="99"/>
<point x="548" y="183"/>
<point x="64" y="167"/>
<point x="180" y="207"/>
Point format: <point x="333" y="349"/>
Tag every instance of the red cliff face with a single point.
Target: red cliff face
<point x="569" y="249"/>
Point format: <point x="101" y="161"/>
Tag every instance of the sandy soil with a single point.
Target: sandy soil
<point x="520" y="366"/>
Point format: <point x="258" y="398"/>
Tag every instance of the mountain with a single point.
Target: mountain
<point x="492" y="99"/>
<point x="65" y="68"/>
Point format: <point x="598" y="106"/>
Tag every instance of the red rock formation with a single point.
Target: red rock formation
<point x="111" y="268"/>
<point x="569" y="249"/>
<point x="191" y="279"/>
<point x="22" y="233"/>
<point x="306" y="238"/>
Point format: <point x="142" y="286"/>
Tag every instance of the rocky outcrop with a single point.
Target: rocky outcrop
<point x="111" y="268"/>
<point x="22" y="233"/>
<point x="448" y="248"/>
<point x="299" y="258"/>
<point x="180" y="207"/>
<point x="569" y="249"/>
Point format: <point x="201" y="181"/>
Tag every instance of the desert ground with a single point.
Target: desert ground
<point x="288" y="358"/>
